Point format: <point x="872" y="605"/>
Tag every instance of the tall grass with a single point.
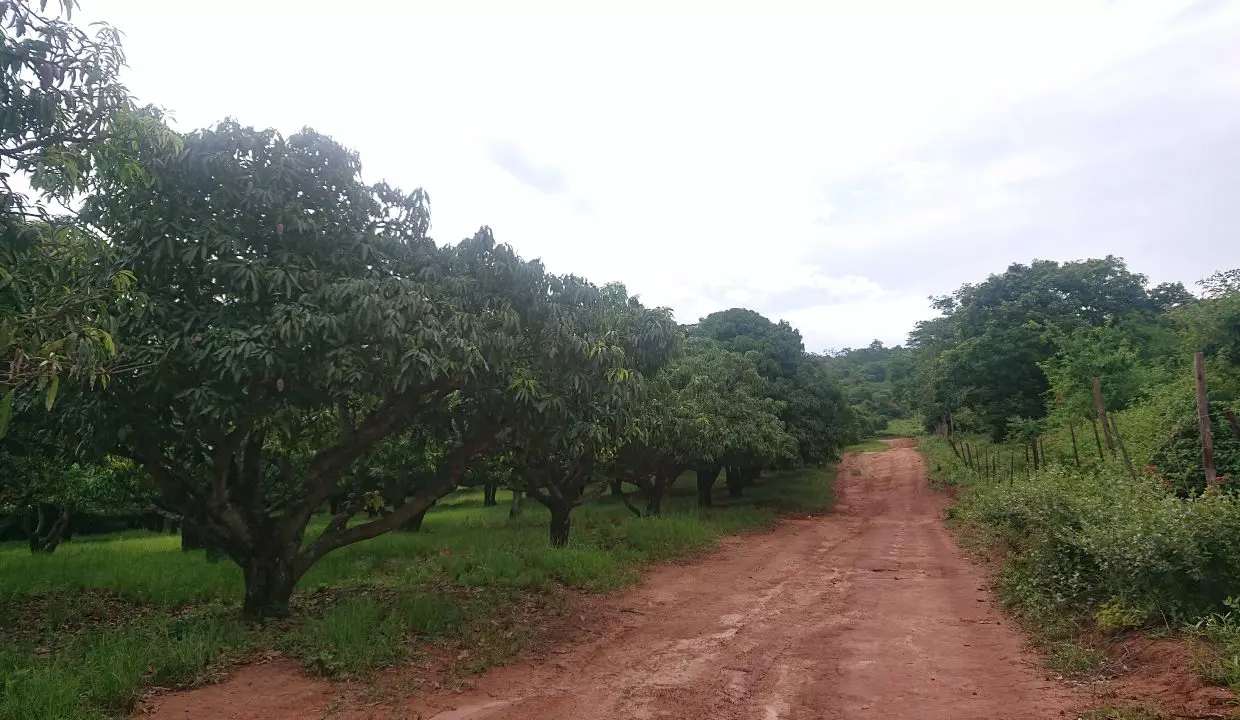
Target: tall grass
<point x="83" y="631"/>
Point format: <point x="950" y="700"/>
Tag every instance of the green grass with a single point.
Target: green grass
<point x="871" y="445"/>
<point x="902" y="427"/>
<point x="1074" y="660"/>
<point x="83" y="631"/>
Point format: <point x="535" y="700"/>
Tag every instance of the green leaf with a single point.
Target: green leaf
<point x="52" y="389"/>
<point x="6" y="413"/>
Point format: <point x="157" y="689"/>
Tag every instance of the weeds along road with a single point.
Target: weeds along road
<point x="871" y="611"/>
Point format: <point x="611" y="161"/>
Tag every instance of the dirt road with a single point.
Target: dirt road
<point x="871" y="611"/>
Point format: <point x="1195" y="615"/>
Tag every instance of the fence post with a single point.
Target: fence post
<point x="1075" y="455"/>
<point x="1119" y="439"/>
<point x="1102" y="414"/>
<point x="1203" y="417"/>
<point x="1093" y="422"/>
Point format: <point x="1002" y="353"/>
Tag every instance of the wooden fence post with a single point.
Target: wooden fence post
<point x="1119" y="439"/>
<point x="1203" y="418"/>
<point x="1093" y="422"/>
<point x="1076" y="457"/>
<point x="1102" y="414"/>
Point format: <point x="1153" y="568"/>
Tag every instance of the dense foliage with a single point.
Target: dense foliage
<point x="1104" y="517"/>
<point x="65" y="115"/>
<point x="877" y="382"/>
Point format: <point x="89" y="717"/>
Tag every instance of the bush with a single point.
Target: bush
<point x="1096" y="539"/>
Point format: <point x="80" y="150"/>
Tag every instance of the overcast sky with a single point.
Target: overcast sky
<point x="833" y="169"/>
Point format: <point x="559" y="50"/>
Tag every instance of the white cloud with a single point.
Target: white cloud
<point x="689" y="149"/>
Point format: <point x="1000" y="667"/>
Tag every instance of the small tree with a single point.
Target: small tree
<point x="721" y="415"/>
<point x="581" y="391"/>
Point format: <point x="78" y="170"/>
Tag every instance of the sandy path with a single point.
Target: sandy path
<point x="868" y="612"/>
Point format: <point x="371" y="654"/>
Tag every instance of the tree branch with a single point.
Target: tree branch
<point x="328" y="465"/>
<point x="178" y="489"/>
<point x="455" y="465"/>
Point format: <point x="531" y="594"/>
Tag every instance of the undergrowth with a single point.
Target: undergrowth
<point x="1093" y="550"/>
<point x="84" y="631"/>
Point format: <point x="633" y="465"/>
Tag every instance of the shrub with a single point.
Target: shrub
<point x="1097" y="540"/>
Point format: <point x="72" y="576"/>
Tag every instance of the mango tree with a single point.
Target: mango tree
<point x="732" y="420"/>
<point x="65" y="111"/>
<point x="43" y="486"/>
<point x="587" y="361"/>
<point x="293" y="319"/>
<point x="812" y="405"/>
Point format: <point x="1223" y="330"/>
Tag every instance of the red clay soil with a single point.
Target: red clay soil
<point x="871" y="611"/>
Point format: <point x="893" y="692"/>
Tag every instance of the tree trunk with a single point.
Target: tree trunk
<point x="654" y="496"/>
<point x="1203" y="419"/>
<point x="191" y="536"/>
<point x="1076" y="456"/>
<point x="1094" y="423"/>
<point x="561" y="520"/>
<point x="705" y="483"/>
<point x="1123" y="449"/>
<point x="735" y="481"/>
<point x="617" y="487"/>
<point x="269" y="582"/>
<point x="488" y="495"/>
<point x="1100" y="408"/>
<point x="514" y="511"/>
<point x="414" y="523"/>
<point x="52" y="521"/>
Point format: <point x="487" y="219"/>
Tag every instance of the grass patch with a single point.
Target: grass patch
<point x="902" y="428"/>
<point x="1218" y="656"/>
<point x="1074" y="660"/>
<point x="84" y="631"/>
<point x="1123" y="713"/>
<point x="871" y="445"/>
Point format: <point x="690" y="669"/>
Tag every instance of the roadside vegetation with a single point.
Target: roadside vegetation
<point x="1099" y="504"/>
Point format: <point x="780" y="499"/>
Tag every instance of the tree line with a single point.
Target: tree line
<point x="1015" y="357"/>
<point x="234" y="331"/>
